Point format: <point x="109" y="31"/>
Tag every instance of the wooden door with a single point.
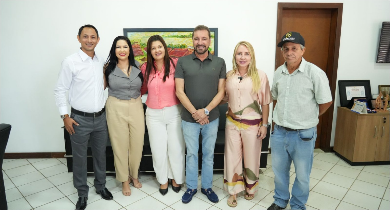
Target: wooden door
<point x="320" y="26"/>
<point x="367" y="128"/>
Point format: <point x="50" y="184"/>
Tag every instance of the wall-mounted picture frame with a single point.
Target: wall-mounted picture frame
<point x="178" y="40"/>
<point x="349" y="89"/>
<point x="384" y="89"/>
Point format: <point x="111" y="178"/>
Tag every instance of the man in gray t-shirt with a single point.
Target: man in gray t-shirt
<point x="200" y="83"/>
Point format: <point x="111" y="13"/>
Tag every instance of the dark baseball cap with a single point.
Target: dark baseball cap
<point x="292" y="37"/>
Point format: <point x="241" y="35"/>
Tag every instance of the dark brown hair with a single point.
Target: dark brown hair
<point x="200" y="28"/>
<point x="150" y="60"/>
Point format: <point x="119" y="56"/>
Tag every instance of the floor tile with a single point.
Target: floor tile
<point x="54" y="170"/>
<point x="373" y="178"/>
<point x="35" y="187"/>
<point x="217" y="176"/>
<point x="114" y="186"/>
<point x="13" y="194"/>
<point x="20" y="204"/>
<point x="258" y="207"/>
<point x="320" y="201"/>
<point x="170" y="198"/>
<point x="345" y="164"/>
<point x="317" y="173"/>
<point x="327" y="157"/>
<point x="62" y="160"/>
<point x="362" y="200"/>
<point x="319" y="164"/>
<point x="345" y="171"/>
<point x="269" y="172"/>
<point x="68" y="188"/>
<point x="312" y="182"/>
<point x="15" y="164"/>
<point x="330" y="190"/>
<point x="27" y="178"/>
<point x="266" y="182"/>
<point x="20" y="171"/>
<point x="267" y="201"/>
<point x="378" y="170"/>
<point x="151" y="186"/>
<point x="385" y="205"/>
<point x="220" y="193"/>
<point x="242" y="204"/>
<point x="347" y="206"/>
<point x="103" y="205"/>
<point x="8" y="184"/>
<point x="46" y="163"/>
<point x="61" y="178"/>
<point x="260" y="195"/>
<point x="135" y="196"/>
<point x="211" y="208"/>
<point x="5" y="176"/>
<point x="34" y="160"/>
<point x="146" y="203"/>
<point x="387" y="195"/>
<point x="338" y="180"/>
<point x="195" y="204"/>
<point x="61" y="204"/>
<point x="44" y="197"/>
<point x="368" y="188"/>
<point x="8" y="160"/>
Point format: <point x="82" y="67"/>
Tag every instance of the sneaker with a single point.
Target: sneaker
<point x="187" y="197"/>
<point x="275" y="207"/>
<point x="210" y="195"/>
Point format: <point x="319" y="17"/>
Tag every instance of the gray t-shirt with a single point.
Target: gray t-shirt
<point x="124" y="87"/>
<point x="201" y="80"/>
<point x="298" y="95"/>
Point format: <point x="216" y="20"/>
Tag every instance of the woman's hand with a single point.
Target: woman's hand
<point x="262" y="132"/>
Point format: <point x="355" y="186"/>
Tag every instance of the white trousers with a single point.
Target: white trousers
<point x="167" y="143"/>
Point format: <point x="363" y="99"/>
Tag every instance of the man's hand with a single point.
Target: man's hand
<point x="261" y="133"/>
<point x="204" y="120"/>
<point x="199" y="114"/>
<point x="68" y="123"/>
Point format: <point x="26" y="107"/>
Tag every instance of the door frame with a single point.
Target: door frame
<point x="333" y="52"/>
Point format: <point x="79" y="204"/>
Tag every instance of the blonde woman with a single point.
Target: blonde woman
<point x="248" y="95"/>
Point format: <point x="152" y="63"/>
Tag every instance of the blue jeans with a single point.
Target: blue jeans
<point x="191" y="136"/>
<point x="296" y="146"/>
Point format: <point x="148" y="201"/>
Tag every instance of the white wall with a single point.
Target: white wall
<point x="35" y="36"/>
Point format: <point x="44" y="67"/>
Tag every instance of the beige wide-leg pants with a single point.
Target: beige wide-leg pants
<point x="126" y="128"/>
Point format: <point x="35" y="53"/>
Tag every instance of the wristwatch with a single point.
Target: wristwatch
<point x="265" y="125"/>
<point x="63" y="116"/>
<point x="206" y="111"/>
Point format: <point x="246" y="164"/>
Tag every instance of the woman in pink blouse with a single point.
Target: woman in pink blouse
<point x="247" y="89"/>
<point x="163" y="115"/>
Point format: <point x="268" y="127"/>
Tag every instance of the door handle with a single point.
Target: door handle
<point x="383" y="130"/>
<point x="375" y="132"/>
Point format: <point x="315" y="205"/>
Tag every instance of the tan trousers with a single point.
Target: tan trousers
<point x="126" y="128"/>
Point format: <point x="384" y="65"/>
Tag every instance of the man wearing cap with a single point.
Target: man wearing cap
<point x="82" y="75"/>
<point x="301" y="92"/>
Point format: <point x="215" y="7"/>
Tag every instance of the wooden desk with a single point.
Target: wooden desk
<point x="362" y="139"/>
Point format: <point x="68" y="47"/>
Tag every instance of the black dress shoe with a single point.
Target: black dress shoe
<point x="176" y="189"/>
<point x="106" y="195"/>
<point x="81" y="203"/>
<point x="163" y="191"/>
<point x="275" y="207"/>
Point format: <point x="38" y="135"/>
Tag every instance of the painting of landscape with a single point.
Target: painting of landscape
<point x="179" y="41"/>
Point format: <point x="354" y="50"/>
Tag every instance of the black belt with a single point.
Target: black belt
<point x="86" y="114"/>
<point x="289" y="129"/>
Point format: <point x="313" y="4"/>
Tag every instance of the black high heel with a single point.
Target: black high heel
<point x="163" y="191"/>
<point x="176" y="189"/>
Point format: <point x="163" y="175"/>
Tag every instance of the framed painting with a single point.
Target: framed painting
<point x="384" y="89"/>
<point x="178" y="40"/>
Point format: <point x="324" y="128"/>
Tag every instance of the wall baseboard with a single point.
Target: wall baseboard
<point x="34" y="155"/>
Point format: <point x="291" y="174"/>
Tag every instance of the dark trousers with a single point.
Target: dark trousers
<point x="93" y="129"/>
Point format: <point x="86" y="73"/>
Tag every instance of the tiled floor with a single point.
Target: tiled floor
<point x="46" y="184"/>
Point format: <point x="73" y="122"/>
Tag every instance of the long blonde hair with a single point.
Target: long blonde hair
<point x="252" y="70"/>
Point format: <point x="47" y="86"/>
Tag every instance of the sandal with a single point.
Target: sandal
<point x="232" y="201"/>
<point x="136" y="184"/>
<point x="249" y="196"/>
<point x="126" y="192"/>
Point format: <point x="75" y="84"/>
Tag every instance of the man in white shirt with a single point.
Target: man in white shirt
<point x="82" y="75"/>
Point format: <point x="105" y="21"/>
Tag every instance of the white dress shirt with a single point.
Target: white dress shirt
<point x="82" y="76"/>
<point x="298" y="95"/>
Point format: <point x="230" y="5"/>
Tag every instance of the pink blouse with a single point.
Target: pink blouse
<point x="160" y="94"/>
<point x="242" y="101"/>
